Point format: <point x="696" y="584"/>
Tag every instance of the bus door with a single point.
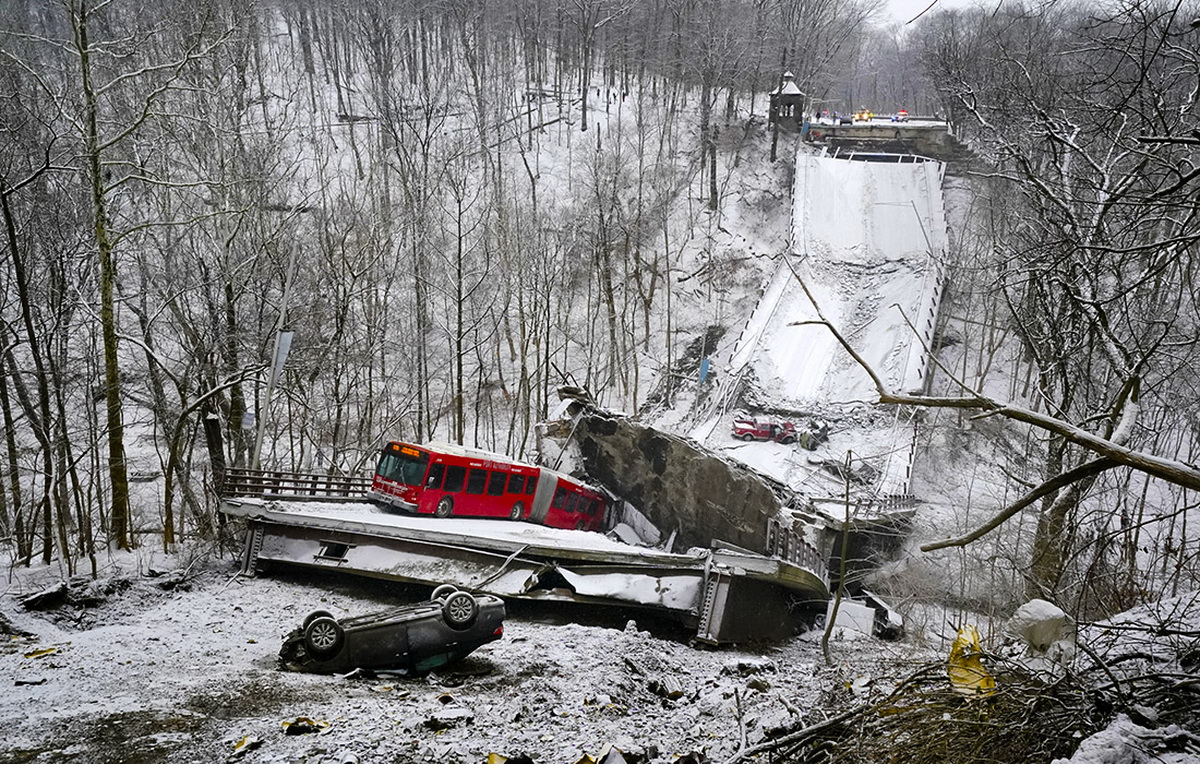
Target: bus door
<point x="547" y="483"/>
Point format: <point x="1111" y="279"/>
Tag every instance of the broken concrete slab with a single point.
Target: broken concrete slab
<point x="715" y="590"/>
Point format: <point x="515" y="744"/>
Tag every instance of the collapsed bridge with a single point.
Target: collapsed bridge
<point x="295" y="522"/>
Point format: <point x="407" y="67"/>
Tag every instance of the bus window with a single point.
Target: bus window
<point x="496" y="483"/>
<point x="454" y="479"/>
<point x="531" y="485"/>
<point x="476" y="480"/>
<point x="435" y="476"/>
<point x="403" y="467"/>
<point x="573" y="502"/>
<point x="516" y="483"/>
<point x="560" y="498"/>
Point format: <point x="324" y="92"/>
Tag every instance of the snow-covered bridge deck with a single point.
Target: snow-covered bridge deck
<point x="867" y="241"/>
<point x="714" y="590"/>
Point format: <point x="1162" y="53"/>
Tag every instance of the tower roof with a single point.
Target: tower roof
<point x="788" y="87"/>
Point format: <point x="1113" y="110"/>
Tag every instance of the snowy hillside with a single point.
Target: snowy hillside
<point x="865" y="251"/>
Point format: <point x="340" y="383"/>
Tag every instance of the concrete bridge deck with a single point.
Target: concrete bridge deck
<point x="714" y="590"/>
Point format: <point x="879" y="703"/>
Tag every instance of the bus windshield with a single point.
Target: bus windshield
<point x="405" y="466"/>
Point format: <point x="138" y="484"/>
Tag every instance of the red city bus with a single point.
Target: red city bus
<point x="448" y="480"/>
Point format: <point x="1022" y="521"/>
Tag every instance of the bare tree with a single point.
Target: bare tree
<point x="1098" y="249"/>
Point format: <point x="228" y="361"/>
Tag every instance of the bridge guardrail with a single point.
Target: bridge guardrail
<point x="280" y="484"/>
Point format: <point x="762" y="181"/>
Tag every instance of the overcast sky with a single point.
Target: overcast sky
<point x="905" y="10"/>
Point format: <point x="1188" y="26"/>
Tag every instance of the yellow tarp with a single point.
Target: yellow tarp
<point x="966" y="670"/>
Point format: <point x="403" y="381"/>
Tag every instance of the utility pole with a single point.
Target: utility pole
<point x="283" y="343"/>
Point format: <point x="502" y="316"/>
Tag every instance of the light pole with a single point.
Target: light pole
<point x="283" y="343"/>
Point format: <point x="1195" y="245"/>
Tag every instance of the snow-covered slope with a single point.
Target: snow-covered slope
<point x="866" y="242"/>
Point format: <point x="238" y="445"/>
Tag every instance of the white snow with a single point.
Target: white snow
<point x="1124" y="742"/>
<point x="867" y="240"/>
<point x="181" y="676"/>
<point x="500" y="530"/>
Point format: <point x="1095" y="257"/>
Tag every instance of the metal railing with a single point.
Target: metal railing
<point x="279" y="484"/>
<point x="787" y="544"/>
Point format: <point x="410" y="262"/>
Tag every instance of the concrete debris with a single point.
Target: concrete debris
<point x="749" y="666"/>
<point x="451" y="716"/>
<point x="668" y="687"/>
<point x="854" y="619"/>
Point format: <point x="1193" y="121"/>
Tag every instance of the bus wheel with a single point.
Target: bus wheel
<point x="444" y="508"/>
<point x="518" y="511"/>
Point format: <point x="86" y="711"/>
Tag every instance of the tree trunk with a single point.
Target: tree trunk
<point x="120" y="532"/>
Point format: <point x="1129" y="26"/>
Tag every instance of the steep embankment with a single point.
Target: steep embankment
<point x="866" y="240"/>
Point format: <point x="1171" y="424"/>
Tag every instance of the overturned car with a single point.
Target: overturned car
<point x="410" y="639"/>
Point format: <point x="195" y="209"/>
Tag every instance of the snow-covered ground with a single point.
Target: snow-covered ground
<point x="148" y="674"/>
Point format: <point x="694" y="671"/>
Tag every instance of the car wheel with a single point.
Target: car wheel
<point x="460" y="610"/>
<point x="444" y="508"/>
<point x="747" y="437"/>
<point x="443" y="591"/>
<point x="517" y="512"/>
<point x="314" y="615"/>
<point x="788" y="440"/>
<point x="323" y="637"/>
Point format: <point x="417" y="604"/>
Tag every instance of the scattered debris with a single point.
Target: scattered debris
<point x="246" y="744"/>
<point x="668" y="687"/>
<point x="303" y="725"/>
<point x="520" y="758"/>
<point x="965" y="667"/>
<point x="42" y="652"/>
<point x="449" y="717"/>
<point x="749" y="666"/>
<point x="47" y="599"/>
<point x="759" y="684"/>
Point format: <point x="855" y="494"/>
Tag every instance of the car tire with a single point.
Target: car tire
<point x="517" y="512"/>
<point x="445" y="507"/>
<point x="747" y="437"/>
<point x="323" y="637"/>
<point x="443" y="591"/>
<point x="314" y="615"/>
<point x="460" y="610"/>
<point x="789" y="440"/>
